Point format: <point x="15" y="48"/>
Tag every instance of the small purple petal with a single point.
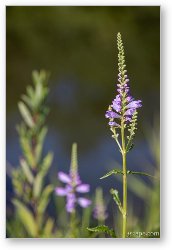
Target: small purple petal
<point x="129" y="98"/>
<point x="83" y="188"/>
<point x="134" y="104"/>
<point x="113" y="124"/>
<point x="111" y="114"/>
<point x="61" y="191"/>
<point x="118" y="98"/>
<point x="120" y="90"/>
<point x="128" y="118"/>
<point x="64" y="177"/>
<point x="127" y="89"/>
<point x="130" y="112"/>
<point x="116" y="106"/>
<point x="84" y="202"/>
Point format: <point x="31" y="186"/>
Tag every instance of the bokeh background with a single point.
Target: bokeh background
<point x="78" y="46"/>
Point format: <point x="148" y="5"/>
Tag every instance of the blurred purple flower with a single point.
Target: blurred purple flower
<point x="100" y="213"/>
<point x="73" y="186"/>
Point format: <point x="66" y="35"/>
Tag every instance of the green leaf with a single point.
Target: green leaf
<point x="27" y="171"/>
<point x="140" y="173"/>
<point x="44" y="199"/>
<point x="37" y="186"/>
<point x="35" y="76"/>
<point x="43" y="171"/>
<point x="27" y="100"/>
<point x="38" y="91"/>
<point x="17" y="182"/>
<point x="116" y="198"/>
<point x="39" y="146"/>
<point x="46" y="163"/>
<point x="30" y="91"/>
<point x="26" y="147"/>
<point x="26" y="217"/>
<point x="26" y="114"/>
<point x="48" y="227"/>
<point x="118" y="171"/>
<point x="114" y="171"/>
<point x="102" y="229"/>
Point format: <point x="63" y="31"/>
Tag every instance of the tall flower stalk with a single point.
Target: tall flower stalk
<point x="122" y="115"/>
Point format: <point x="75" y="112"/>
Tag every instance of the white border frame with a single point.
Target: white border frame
<point x="166" y="117"/>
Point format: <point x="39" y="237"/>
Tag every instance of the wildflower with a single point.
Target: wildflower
<point x="73" y="186"/>
<point x="124" y="105"/>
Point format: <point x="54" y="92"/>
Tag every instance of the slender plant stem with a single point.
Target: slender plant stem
<point x="124" y="224"/>
<point x="72" y="224"/>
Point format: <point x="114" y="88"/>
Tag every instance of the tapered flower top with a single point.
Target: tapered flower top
<point x="124" y="106"/>
<point x="73" y="185"/>
<point x="100" y="208"/>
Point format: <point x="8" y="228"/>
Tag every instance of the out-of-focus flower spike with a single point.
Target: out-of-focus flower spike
<point x="74" y="163"/>
<point x="99" y="212"/>
<point x="74" y="185"/>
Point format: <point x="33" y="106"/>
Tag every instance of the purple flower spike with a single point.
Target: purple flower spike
<point x="73" y="186"/>
<point x="83" y="202"/>
<point x="70" y="191"/>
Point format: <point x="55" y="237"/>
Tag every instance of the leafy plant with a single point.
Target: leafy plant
<point x="103" y="229"/>
<point x="31" y="194"/>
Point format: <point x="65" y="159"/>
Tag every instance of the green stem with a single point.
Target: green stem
<point x="116" y="138"/>
<point x="124" y="224"/>
<point x="72" y="225"/>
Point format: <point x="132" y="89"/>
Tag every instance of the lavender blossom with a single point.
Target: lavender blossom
<point x="124" y="105"/>
<point x="73" y="186"/>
